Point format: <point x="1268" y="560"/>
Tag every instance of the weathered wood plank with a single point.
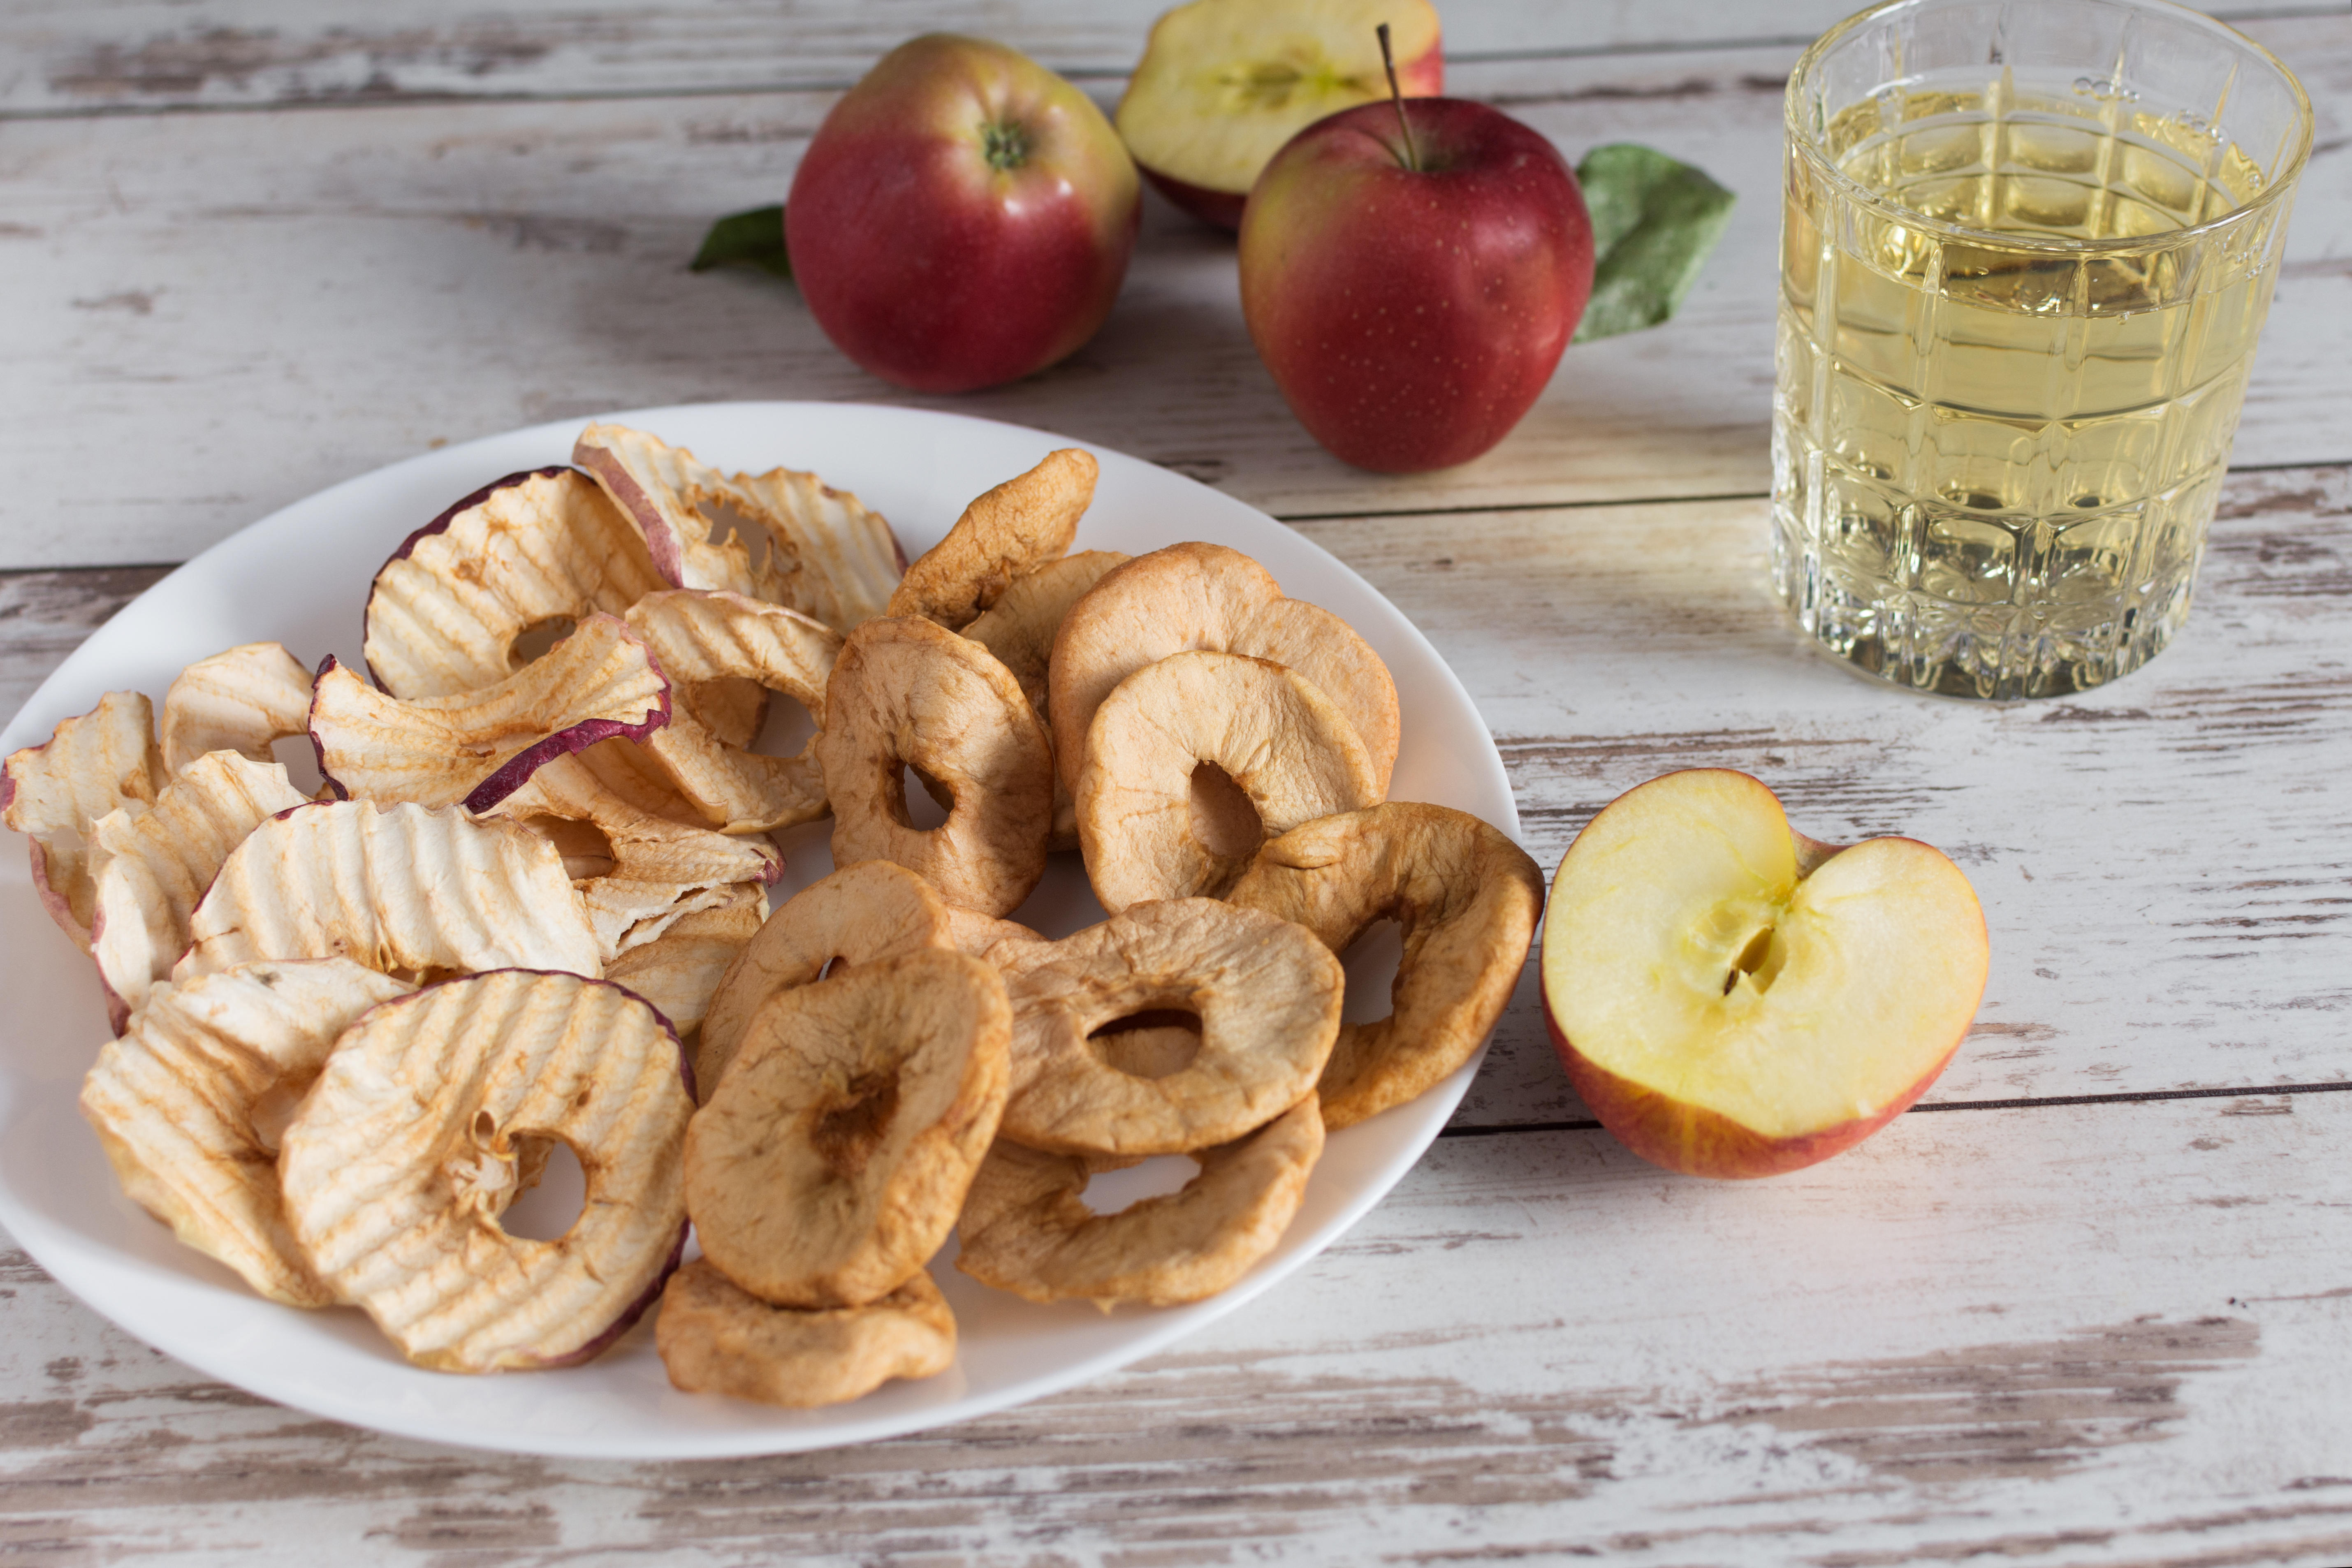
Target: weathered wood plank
<point x="2094" y="1335"/>
<point x="269" y="313"/>
<point x="145" y="55"/>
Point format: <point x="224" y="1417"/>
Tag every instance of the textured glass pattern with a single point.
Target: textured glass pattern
<point x="2018" y="301"/>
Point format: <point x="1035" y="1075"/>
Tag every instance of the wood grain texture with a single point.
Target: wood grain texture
<point x="279" y="313"/>
<point x="145" y="55"/>
<point x="2073" y="1336"/>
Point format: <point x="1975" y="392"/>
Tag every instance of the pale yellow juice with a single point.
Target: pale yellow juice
<point x="1998" y="433"/>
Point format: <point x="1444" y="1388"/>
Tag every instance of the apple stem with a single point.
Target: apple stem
<point x="1396" y="96"/>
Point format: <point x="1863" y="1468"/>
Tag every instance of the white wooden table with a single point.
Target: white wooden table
<point x="2091" y="1302"/>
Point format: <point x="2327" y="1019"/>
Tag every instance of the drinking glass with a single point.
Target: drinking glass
<point x="2025" y="251"/>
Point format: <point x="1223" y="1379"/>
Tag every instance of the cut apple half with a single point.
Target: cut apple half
<point x="1731" y="998"/>
<point x="1224" y="83"/>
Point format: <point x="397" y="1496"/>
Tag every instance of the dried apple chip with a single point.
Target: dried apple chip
<point x="52" y="792"/>
<point x="476" y="748"/>
<point x="635" y="872"/>
<point x="717" y="1338"/>
<point x="831" y="1160"/>
<point x="406" y="1150"/>
<point x="190" y="1104"/>
<point x="400" y="889"/>
<point x="1026" y="1228"/>
<point x="700" y="638"/>
<point x="242" y="700"/>
<point x="153" y="862"/>
<point x="1013" y="529"/>
<point x="445" y="613"/>
<point x="827" y="557"/>
<point x="678" y="970"/>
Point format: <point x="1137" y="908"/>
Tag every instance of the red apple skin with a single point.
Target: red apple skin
<point x="1424" y="78"/>
<point x="1696" y="1142"/>
<point x="1411" y="316"/>
<point x="932" y="268"/>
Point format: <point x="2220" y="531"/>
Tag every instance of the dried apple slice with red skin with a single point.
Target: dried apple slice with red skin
<point x="411" y="1140"/>
<point x="154" y="862"/>
<point x="242" y="700"/>
<point x="476" y="748"/>
<point x="354" y="879"/>
<point x="1733" y="999"/>
<point x="1205" y="597"/>
<point x="444" y="614"/>
<point x="829" y="555"/>
<point x="701" y="637"/>
<point x="183" y="1106"/>
<point x="52" y="792"/>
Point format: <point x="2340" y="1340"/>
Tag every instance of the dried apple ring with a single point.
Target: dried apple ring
<point x="1011" y="530"/>
<point x="717" y="1338"/>
<point x="353" y="880"/>
<point x="154" y="862"/>
<point x="832" y="1159"/>
<point x="1267" y="994"/>
<point x="700" y="638"/>
<point x="190" y="1104"/>
<point x="906" y="693"/>
<point x="1019" y="630"/>
<point x="1197" y="596"/>
<point x="53" y="793"/>
<point x="445" y="613"/>
<point x="241" y="700"/>
<point x="1273" y="732"/>
<point x="827" y="554"/>
<point x="476" y="748"/>
<point x="1026" y="1228"/>
<point x="870" y="910"/>
<point x="413" y="1141"/>
<point x="1467" y="898"/>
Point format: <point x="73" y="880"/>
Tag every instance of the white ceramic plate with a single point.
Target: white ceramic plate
<point x="301" y="577"/>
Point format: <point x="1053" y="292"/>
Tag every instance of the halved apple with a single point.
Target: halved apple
<point x="1224" y="83"/>
<point x="1732" y="998"/>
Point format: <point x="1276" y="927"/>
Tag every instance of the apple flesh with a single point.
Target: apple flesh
<point x="963" y="217"/>
<point x="1411" y="303"/>
<point x="1732" y="998"/>
<point x="1222" y="84"/>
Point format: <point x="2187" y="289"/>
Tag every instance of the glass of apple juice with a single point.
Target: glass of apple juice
<point x="2026" y="248"/>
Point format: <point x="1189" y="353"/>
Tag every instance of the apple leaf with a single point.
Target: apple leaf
<point x="755" y="239"/>
<point x="1654" y="221"/>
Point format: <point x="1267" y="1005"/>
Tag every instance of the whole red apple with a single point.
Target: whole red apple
<point x="1412" y="302"/>
<point x="963" y="217"/>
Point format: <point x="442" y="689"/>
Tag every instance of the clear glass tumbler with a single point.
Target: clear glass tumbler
<point x="2026" y="249"/>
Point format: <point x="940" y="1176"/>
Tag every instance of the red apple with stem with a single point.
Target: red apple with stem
<point x="963" y="217"/>
<point x="1411" y="272"/>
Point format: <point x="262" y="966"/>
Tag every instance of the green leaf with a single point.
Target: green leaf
<point x="755" y="239"/>
<point x="1654" y="220"/>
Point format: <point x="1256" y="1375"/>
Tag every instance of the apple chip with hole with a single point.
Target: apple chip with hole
<point x="243" y="699"/>
<point x="679" y="969"/>
<point x="716" y="1337"/>
<point x="446" y="613"/>
<point x="1205" y="597"/>
<point x="190" y="1105"/>
<point x="400" y="889"/>
<point x="154" y="862"/>
<point x="1194" y="761"/>
<point x="636" y="873"/>
<point x="1010" y="530"/>
<point x="700" y="640"/>
<point x="1026" y="1228"/>
<point x="1019" y="629"/>
<point x="825" y="553"/>
<point x="831" y="1160"/>
<point x="1266" y="994"/>
<point x="415" y="1137"/>
<point x="52" y="792"/>
<point x="476" y="748"/>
